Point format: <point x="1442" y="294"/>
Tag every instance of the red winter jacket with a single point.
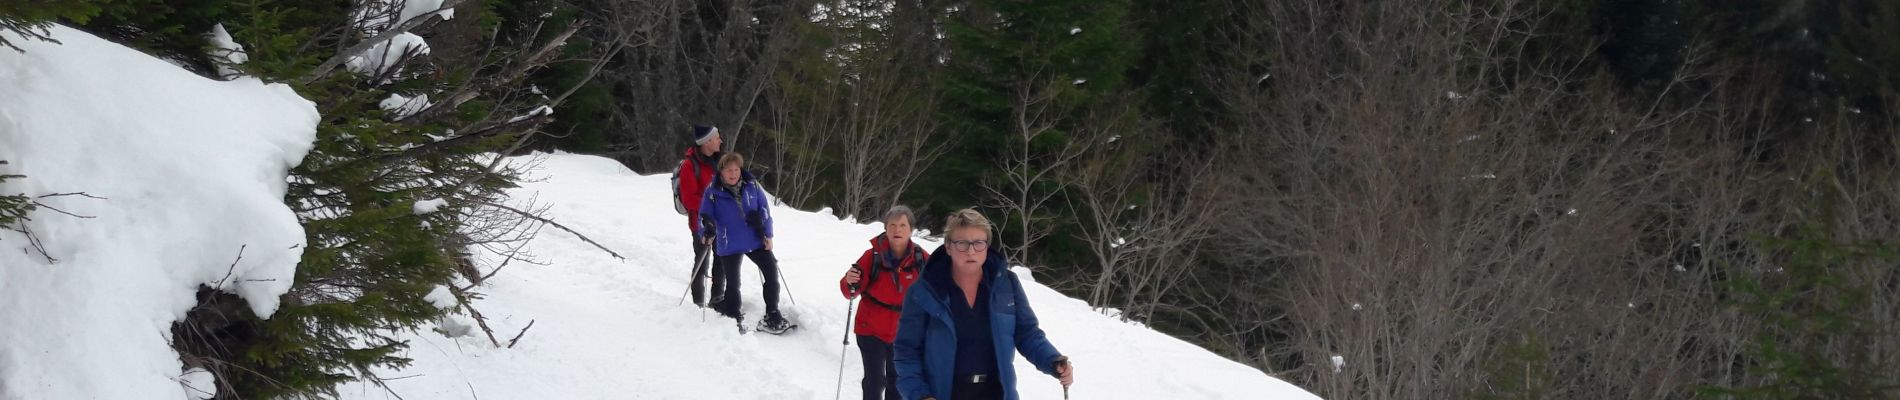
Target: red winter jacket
<point x="885" y="288"/>
<point x="696" y="172"/>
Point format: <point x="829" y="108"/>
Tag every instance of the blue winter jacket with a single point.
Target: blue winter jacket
<point x="723" y="215"/>
<point x="926" y="346"/>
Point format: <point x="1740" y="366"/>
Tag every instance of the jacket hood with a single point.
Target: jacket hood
<point x="882" y="246"/>
<point x="937" y="271"/>
<point x="745" y="178"/>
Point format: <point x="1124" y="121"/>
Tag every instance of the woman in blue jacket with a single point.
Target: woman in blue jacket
<point x="963" y="324"/>
<point x="736" y="220"/>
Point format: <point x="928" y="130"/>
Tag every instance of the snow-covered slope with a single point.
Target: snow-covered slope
<point x="188" y="171"/>
<point x="610" y="329"/>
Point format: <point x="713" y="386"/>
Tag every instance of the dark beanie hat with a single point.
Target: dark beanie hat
<point x="702" y="133"/>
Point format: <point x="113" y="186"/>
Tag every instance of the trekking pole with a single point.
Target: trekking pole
<point x="703" y="262"/>
<point x="697" y="263"/>
<point x="782" y="283"/>
<point x="849" y="307"/>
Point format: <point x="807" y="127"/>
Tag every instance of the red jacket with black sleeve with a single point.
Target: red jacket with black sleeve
<point x="884" y="280"/>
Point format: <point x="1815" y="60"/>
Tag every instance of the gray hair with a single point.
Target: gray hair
<point x="900" y="211"/>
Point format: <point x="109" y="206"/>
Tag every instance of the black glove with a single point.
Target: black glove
<point x="854" y="285"/>
<point x="756" y="220"/>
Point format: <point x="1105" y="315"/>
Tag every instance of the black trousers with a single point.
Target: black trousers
<point x="701" y="269"/>
<point x="729" y="266"/>
<point x="990" y="390"/>
<point x="880" y="373"/>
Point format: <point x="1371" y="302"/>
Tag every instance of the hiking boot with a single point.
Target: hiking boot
<point x="726" y="310"/>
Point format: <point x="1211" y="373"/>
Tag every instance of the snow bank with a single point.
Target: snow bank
<point x="191" y="172"/>
<point x="608" y="329"/>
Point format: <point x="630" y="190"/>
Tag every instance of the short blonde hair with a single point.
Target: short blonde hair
<point x="966" y="218"/>
<point x="732" y="158"/>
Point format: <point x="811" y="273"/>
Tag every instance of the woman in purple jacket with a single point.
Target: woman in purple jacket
<point x="736" y="220"/>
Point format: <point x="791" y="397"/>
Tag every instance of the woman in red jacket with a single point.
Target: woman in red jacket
<point x="883" y="275"/>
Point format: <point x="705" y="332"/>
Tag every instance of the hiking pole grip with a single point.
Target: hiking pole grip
<point x="1063" y="361"/>
<point x="850" y="306"/>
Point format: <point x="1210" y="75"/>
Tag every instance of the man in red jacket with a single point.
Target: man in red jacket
<point x="696" y="172"/>
<point x="883" y="275"/>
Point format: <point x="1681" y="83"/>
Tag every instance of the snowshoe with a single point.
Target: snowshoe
<point x="776" y="324"/>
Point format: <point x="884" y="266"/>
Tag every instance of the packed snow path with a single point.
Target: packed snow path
<point x="611" y="329"/>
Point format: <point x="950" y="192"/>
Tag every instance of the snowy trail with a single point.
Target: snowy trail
<point x="186" y="185"/>
<point x="611" y="329"/>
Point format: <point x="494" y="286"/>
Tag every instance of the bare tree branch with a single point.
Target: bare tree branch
<point x="524" y="331"/>
<point x="555" y="224"/>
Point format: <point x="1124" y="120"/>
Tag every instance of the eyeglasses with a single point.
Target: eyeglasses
<point x="969" y="245"/>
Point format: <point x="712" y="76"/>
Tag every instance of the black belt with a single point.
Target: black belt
<point x="975" y="379"/>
